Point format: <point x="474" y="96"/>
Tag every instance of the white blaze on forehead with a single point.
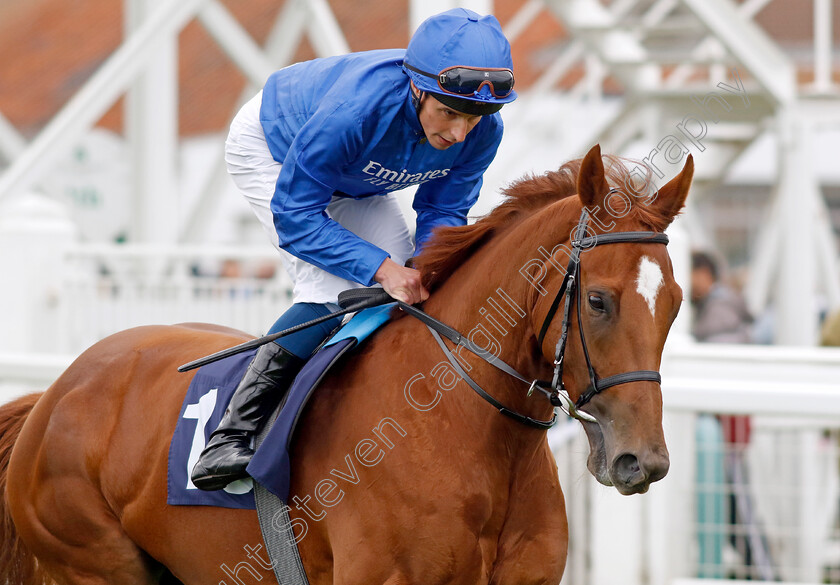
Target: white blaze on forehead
<point x="649" y="282"/>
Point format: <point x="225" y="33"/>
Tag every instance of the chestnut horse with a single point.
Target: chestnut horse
<point x="400" y="474"/>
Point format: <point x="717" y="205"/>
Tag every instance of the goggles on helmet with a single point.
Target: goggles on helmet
<point x="463" y="81"/>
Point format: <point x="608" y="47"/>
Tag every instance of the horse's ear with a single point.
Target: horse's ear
<point x="591" y="184"/>
<point x="671" y="197"/>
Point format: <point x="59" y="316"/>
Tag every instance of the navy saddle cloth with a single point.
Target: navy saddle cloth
<point x="205" y="403"/>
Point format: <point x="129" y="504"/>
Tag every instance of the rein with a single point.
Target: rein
<point x="438" y="328"/>
<point x="558" y="395"/>
<point x="356" y="299"/>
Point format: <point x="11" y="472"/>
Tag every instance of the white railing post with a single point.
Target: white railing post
<point x="152" y="128"/>
<point x="822" y="46"/>
<point x="35" y="233"/>
<point x="669" y="513"/>
<point x="796" y="195"/>
<point x="610" y="509"/>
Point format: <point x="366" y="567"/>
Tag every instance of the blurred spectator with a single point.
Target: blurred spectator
<point x="830" y="332"/>
<point x="230" y="269"/>
<point x="720" y="314"/>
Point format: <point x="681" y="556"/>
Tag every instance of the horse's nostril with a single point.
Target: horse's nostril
<point x="634" y="475"/>
<point x="627" y="470"/>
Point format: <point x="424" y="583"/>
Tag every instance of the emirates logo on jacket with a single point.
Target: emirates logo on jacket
<point x="392" y="180"/>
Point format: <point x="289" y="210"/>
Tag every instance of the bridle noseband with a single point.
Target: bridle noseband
<point x="557" y="394"/>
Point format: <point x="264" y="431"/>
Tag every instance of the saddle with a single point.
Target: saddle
<point x="208" y="396"/>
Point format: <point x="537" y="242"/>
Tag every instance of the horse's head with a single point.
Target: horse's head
<point x="625" y="285"/>
<point x="626" y="300"/>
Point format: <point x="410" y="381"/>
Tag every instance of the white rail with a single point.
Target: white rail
<point x="37" y="370"/>
<point x="108" y="289"/>
<point x="728" y="582"/>
<point x="740" y="379"/>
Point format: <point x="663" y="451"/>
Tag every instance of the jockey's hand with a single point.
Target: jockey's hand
<point x="401" y="282"/>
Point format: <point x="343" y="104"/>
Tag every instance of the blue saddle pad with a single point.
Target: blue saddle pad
<point x="208" y="396"/>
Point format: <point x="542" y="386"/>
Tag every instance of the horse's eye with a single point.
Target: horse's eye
<point x="597" y="303"/>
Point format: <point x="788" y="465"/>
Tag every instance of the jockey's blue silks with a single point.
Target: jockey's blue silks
<point x="351" y="130"/>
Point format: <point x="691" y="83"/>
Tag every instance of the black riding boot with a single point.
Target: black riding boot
<point x="262" y="387"/>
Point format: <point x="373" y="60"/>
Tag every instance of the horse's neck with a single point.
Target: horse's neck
<point x="493" y="313"/>
<point x="491" y="295"/>
<point x="488" y="303"/>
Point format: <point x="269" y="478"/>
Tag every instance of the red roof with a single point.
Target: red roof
<point x="51" y="47"/>
<point x="57" y="44"/>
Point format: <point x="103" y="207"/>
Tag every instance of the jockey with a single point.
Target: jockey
<point x="318" y="154"/>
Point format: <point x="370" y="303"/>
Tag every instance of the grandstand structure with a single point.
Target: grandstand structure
<point x="115" y="210"/>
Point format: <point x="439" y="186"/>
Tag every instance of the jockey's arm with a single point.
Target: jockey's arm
<point x="299" y="205"/>
<point x="302" y="193"/>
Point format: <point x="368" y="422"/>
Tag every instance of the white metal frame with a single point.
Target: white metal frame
<point x="799" y="237"/>
<point x="145" y="64"/>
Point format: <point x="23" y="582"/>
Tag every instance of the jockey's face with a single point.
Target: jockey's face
<point x="443" y="125"/>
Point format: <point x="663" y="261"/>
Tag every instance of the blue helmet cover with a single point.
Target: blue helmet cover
<point x="458" y="37"/>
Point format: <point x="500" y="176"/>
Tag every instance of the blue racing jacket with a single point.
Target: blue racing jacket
<point x="346" y="126"/>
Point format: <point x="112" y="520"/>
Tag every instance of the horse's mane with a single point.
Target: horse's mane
<point x="449" y="247"/>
